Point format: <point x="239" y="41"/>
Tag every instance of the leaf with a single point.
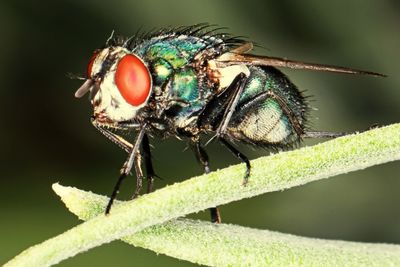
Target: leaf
<point x="272" y="173"/>
<point x="230" y="245"/>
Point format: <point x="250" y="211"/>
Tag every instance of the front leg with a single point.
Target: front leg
<point x="134" y="158"/>
<point x="116" y="139"/>
<point x="150" y="174"/>
<point x="125" y="145"/>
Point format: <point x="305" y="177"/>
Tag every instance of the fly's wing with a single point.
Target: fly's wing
<point x="238" y="55"/>
<point x="243" y="49"/>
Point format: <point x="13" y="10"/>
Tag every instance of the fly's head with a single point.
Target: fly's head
<point x="119" y="83"/>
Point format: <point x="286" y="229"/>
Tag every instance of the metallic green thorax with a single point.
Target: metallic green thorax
<point x="181" y="88"/>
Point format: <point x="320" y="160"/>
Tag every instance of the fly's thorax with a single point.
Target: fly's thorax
<point x="180" y="97"/>
<point x="122" y="85"/>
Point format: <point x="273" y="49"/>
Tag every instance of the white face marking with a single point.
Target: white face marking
<point x="108" y="103"/>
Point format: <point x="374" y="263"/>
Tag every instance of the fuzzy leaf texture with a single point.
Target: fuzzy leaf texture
<point x="232" y="245"/>
<point x="272" y="173"/>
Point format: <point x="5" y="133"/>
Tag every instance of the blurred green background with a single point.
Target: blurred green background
<point x="46" y="135"/>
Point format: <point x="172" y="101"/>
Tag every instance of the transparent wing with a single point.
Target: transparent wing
<point x="238" y="55"/>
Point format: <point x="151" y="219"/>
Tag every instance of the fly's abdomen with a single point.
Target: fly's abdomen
<point x="270" y="112"/>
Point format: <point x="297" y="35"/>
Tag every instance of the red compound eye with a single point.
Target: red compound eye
<point x="90" y="65"/>
<point x="133" y="80"/>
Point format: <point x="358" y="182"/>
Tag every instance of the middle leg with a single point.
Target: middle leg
<point x="202" y="158"/>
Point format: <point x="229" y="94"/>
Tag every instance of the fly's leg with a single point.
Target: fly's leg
<point x="228" y="100"/>
<point x="200" y="154"/>
<point x="240" y="156"/>
<point x="150" y="174"/>
<point x="323" y="134"/>
<point x="137" y="160"/>
<point x="133" y="159"/>
<point x="125" y="145"/>
<point x="215" y="215"/>
<point x="202" y="158"/>
<point x="116" y="139"/>
<point x="238" y="84"/>
<point x="128" y="147"/>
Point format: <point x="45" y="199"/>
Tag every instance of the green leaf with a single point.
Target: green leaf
<point x="273" y="173"/>
<point x="229" y="245"/>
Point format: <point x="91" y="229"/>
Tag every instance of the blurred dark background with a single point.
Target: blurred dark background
<point x="46" y="135"/>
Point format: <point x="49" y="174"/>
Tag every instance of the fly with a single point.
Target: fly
<point x="191" y="81"/>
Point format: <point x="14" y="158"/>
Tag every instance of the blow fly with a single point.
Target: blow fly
<point x="191" y="81"/>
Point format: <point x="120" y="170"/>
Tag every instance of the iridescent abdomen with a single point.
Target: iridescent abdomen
<point x="260" y="117"/>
